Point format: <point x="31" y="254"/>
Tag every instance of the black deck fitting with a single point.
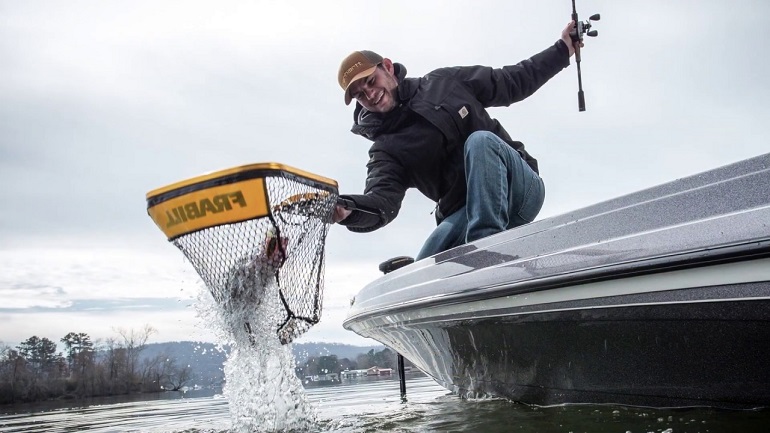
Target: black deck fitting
<point x="386" y="267"/>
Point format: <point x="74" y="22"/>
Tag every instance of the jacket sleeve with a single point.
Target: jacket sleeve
<point x="386" y="185"/>
<point x="498" y="87"/>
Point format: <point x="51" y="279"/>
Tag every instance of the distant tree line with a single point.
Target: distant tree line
<point x="317" y="365"/>
<point x="34" y="371"/>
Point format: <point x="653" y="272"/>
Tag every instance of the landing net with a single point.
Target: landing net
<point x="246" y="228"/>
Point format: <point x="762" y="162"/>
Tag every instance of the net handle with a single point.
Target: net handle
<point x="351" y="205"/>
<point x="298" y="201"/>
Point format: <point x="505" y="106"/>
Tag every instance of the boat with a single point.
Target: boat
<point x="321" y="380"/>
<point x="658" y="298"/>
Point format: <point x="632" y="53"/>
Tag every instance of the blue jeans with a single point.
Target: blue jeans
<point x="503" y="192"/>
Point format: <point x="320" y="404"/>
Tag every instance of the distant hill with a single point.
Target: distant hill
<point x="207" y="360"/>
<point x="302" y="351"/>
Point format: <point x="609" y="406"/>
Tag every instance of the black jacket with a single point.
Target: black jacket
<point x="420" y="143"/>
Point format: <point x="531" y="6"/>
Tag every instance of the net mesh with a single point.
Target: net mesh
<point x="237" y="261"/>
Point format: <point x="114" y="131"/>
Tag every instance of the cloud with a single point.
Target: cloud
<point x="101" y="288"/>
<point x="23" y="296"/>
<point x="172" y="325"/>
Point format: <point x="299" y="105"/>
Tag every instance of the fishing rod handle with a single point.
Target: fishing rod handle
<point x="351" y="205"/>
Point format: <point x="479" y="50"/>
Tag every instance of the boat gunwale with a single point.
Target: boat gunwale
<point x="615" y="271"/>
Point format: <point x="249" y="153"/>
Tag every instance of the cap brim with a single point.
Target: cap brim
<point x="362" y="74"/>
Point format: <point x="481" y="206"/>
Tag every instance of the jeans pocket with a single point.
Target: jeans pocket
<point x="532" y="201"/>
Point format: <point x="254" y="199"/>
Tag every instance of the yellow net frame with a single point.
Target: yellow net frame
<point x="260" y="224"/>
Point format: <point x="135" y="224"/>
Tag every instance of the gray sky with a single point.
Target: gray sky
<point x="102" y="101"/>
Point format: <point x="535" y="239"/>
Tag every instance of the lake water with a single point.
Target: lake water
<point x="263" y="394"/>
<point x="373" y="405"/>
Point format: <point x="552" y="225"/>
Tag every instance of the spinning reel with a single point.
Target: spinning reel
<point x="581" y="28"/>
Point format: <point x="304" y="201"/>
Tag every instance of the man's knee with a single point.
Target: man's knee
<point x="482" y="135"/>
<point x="481" y="140"/>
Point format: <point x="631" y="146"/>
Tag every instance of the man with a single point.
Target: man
<point x="434" y="134"/>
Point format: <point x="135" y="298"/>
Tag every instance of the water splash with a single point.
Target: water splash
<point x="262" y="388"/>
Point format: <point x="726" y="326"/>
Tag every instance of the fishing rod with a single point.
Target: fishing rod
<point x="581" y="28"/>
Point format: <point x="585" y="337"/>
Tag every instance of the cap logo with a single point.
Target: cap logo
<point x="350" y="69"/>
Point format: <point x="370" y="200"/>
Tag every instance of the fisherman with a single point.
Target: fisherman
<point x="434" y="134"/>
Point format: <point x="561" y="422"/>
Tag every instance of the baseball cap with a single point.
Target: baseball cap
<point x="357" y="65"/>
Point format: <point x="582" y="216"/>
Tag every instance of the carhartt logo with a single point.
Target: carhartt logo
<point x="463" y="112"/>
<point x="350" y="69"/>
<point x="197" y="209"/>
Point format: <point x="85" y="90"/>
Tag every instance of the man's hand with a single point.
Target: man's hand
<point x="568" y="40"/>
<point x="340" y="213"/>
